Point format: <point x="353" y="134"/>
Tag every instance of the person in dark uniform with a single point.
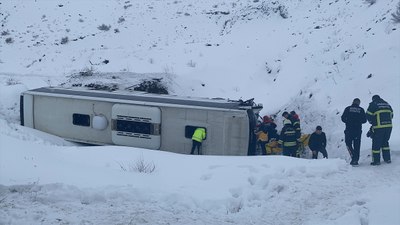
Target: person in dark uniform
<point x="317" y="143"/>
<point x="294" y="117"/>
<point x="353" y="116"/>
<point x="380" y="115"/>
<point x="288" y="139"/>
<point x="296" y="123"/>
<point x="287" y="116"/>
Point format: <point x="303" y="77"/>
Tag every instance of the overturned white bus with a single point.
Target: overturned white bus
<point x="138" y="119"/>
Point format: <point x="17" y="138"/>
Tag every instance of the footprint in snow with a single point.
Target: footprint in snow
<point x="236" y="192"/>
<point x="206" y="176"/>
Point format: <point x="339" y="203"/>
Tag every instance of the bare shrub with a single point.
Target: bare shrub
<point x="5" y="33"/>
<point x="139" y="166"/>
<point x="86" y="72"/>
<point x="370" y="2"/>
<point x="104" y="27"/>
<point x="2" y="198"/>
<point x="143" y="167"/>
<point x="152" y="86"/>
<point x="168" y="69"/>
<point x="396" y="15"/>
<point x="9" y="40"/>
<point x="102" y="87"/>
<point x="121" y="19"/>
<point x="283" y="11"/>
<point x="127" y="6"/>
<point x="191" y="64"/>
<point x="234" y="206"/>
<point x="12" y="81"/>
<point x="64" y="40"/>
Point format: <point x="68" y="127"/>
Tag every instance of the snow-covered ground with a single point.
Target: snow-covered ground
<point x="315" y="61"/>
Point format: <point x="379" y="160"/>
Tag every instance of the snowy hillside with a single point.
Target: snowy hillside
<point x="313" y="57"/>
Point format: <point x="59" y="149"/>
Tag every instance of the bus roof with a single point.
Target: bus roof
<point x="147" y="97"/>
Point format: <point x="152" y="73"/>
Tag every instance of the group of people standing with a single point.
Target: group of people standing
<point x="379" y="114"/>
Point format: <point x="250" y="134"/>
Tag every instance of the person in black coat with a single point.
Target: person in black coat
<point x="317" y="143"/>
<point x="353" y="116"/>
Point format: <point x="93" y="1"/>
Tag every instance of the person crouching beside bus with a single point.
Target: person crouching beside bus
<point x="317" y="143"/>
<point x="198" y="136"/>
<point x="288" y="139"/>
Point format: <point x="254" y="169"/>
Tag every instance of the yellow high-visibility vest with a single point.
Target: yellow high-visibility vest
<point x="199" y="135"/>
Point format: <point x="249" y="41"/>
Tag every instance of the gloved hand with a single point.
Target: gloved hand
<point x="370" y="133"/>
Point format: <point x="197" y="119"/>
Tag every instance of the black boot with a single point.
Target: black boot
<point x="354" y="163"/>
<point x="375" y="163"/>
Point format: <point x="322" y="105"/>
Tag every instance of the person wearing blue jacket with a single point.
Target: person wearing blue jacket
<point x="317" y="143"/>
<point x="353" y="116"/>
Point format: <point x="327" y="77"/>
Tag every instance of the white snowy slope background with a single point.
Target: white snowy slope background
<point x="313" y="57"/>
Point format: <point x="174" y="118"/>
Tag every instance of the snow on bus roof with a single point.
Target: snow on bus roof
<point x="145" y="97"/>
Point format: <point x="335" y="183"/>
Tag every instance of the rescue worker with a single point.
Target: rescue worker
<point x="287" y="116"/>
<point x="317" y="143"/>
<point x="379" y="115"/>
<point x="198" y="136"/>
<point x="353" y="116"/>
<point x="288" y="139"/>
<point x="296" y="123"/>
<point x="269" y="122"/>
<point x="270" y="127"/>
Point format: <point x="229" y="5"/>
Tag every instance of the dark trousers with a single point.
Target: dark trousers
<point x="380" y="141"/>
<point x="322" y="150"/>
<point x="353" y="144"/>
<point x="263" y="149"/>
<point x="290" y="151"/>
<point x="196" y="144"/>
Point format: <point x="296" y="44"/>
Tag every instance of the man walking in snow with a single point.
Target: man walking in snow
<point x="317" y="143"/>
<point x="380" y="114"/>
<point x="354" y="116"/>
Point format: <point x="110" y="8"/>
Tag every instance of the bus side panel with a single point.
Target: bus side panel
<point x="236" y="134"/>
<point x="227" y="131"/>
<point x="173" y="122"/>
<point x="215" y="142"/>
<point x="57" y="116"/>
<point x="27" y="107"/>
<point x="134" y="126"/>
